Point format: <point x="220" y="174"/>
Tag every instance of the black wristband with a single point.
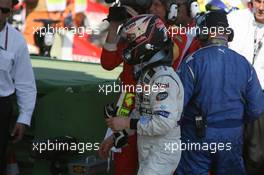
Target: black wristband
<point x="133" y="123"/>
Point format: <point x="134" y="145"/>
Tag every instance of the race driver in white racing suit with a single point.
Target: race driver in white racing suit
<point x="159" y="96"/>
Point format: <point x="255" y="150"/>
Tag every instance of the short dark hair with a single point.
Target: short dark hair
<point x="14" y="2"/>
<point x="216" y="19"/>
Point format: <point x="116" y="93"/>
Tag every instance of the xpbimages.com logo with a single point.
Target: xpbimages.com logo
<point x="79" y="31"/>
<point x="147" y="89"/>
<point x="196" y="146"/>
<point x="54" y="145"/>
<point x="179" y="31"/>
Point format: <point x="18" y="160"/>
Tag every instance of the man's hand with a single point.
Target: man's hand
<point x="18" y="132"/>
<point x="118" y="123"/>
<point x="105" y="147"/>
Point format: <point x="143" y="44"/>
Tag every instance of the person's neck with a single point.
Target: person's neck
<point x="259" y="23"/>
<point x="219" y="40"/>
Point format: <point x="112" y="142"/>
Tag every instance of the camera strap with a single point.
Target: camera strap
<point x="257" y="45"/>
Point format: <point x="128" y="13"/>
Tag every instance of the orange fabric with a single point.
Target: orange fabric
<point x="41" y="6"/>
<point x="31" y="25"/>
<point x="39" y="11"/>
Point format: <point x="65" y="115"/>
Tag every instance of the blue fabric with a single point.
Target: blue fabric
<point x="218" y="72"/>
<point x="223" y="156"/>
<point x="144" y="120"/>
<point x="162" y="113"/>
<point x="222" y="86"/>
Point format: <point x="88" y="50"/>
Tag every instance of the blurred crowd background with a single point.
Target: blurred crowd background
<point x="81" y="23"/>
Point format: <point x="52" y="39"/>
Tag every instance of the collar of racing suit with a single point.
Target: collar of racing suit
<point x="222" y="41"/>
<point x="160" y="58"/>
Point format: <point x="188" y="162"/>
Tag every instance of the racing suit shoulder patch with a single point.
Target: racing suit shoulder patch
<point x="162" y="113"/>
<point x="162" y="96"/>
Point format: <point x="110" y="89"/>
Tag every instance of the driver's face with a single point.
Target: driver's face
<point x="157" y="8"/>
<point x="258" y="6"/>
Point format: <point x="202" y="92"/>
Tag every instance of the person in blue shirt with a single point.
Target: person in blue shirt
<point x="221" y="93"/>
